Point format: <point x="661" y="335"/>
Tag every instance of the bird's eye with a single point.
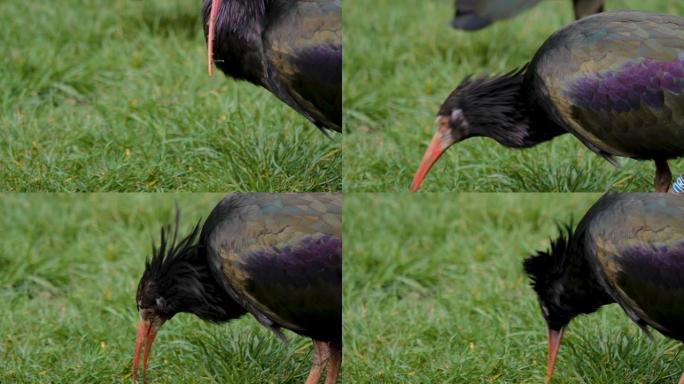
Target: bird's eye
<point x="456" y="116"/>
<point x="160" y="302"/>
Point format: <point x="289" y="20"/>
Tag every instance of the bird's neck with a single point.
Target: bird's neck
<point x="582" y="290"/>
<point x="539" y="129"/>
<point x="198" y="292"/>
<point x="238" y="49"/>
<point x="506" y="112"/>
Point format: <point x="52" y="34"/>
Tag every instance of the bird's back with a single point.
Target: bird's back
<point x="616" y="81"/>
<point x="636" y="242"/>
<point x="303" y="47"/>
<point x="280" y="256"/>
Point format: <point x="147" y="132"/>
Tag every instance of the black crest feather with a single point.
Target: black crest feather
<point x="500" y="92"/>
<point x="547" y="265"/>
<point x="500" y="107"/>
<point x="169" y="251"/>
<point x="473" y="88"/>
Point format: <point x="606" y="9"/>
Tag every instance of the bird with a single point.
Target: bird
<point x="277" y="257"/>
<point x="472" y="15"/>
<point x="614" y="80"/>
<point x="293" y="48"/>
<point x="627" y="249"/>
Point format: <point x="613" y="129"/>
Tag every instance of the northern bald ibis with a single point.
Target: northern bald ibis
<point x="472" y="15"/>
<point x="614" y="80"/>
<point x="293" y="48"/>
<point x="277" y="257"/>
<point x="628" y="249"/>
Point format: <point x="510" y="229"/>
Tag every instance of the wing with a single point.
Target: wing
<point x="638" y="242"/>
<point x="614" y="79"/>
<point x="472" y="15"/>
<point x="280" y="255"/>
<point x="304" y="50"/>
<point x="298" y="286"/>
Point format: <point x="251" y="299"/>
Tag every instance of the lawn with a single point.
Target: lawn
<point x="69" y="269"/>
<point x="402" y="59"/>
<point x="434" y="293"/>
<point x="114" y="96"/>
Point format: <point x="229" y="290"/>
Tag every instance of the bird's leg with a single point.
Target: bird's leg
<point x="321" y="355"/>
<point x="335" y="363"/>
<point x="663" y="177"/>
<point x="681" y="379"/>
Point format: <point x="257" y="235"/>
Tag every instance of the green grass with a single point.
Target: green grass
<point x="115" y="96"/>
<point x="434" y="293"/>
<point x="402" y="59"/>
<point x="69" y="268"/>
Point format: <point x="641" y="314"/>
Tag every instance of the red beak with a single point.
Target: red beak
<point x="146" y="334"/>
<point x="212" y="32"/>
<point x="554" y="345"/>
<point x="439" y="143"/>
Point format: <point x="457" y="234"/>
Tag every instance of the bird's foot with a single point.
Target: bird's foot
<point x="663" y="177"/>
<point x="334" y="364"/>
<point x="321" y="356"/>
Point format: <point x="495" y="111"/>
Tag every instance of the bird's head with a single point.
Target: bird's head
<point x="545" y="270"/>
<point x="178" y="278"/>
<point x="488" y="107"/>
<point x="565" y="287"/>
<point x="161" y="291"/>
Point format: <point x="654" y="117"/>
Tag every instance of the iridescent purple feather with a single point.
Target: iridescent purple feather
<point x="635" y="83"/>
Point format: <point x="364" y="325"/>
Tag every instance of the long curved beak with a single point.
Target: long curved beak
<point x="146" y="333"/>
<point x="555" y="337"/>
<point x="211" y="34"/>
<point x="439" y="143"/>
